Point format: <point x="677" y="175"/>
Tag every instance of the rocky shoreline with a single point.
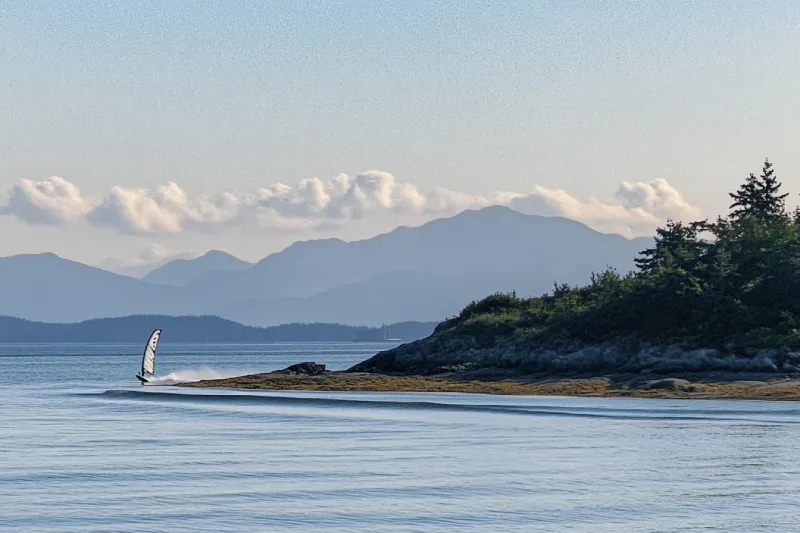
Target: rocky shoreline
<point x="442" y="354"/>
<point x="442" y="363"/>
<point x="707" y="385"/>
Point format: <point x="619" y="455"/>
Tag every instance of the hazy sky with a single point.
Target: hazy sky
<point x="185" y="126"/>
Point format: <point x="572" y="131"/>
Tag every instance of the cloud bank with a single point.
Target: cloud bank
<point x="636" y="208"/>
<point x="52" y="201"/>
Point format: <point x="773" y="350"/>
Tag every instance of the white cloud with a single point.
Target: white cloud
<point x="342" y="197"/>
<point x="166" y="209"/>
<point x="637" y="209"/>
<point x="657" y="197"/>
<point x="50" y="201"/>
<point x="444" y="201"/>
<point x="372" y="191"/>
<point x="314" y="204"/>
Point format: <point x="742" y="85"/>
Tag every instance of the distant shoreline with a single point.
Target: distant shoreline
<point x="199" y="330"/>
<point x="706" y="386"/>
<point x="138" y="344"/>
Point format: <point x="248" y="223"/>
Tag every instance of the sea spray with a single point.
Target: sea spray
<point x="198" y="374"/>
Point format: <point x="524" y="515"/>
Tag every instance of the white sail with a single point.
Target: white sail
<point x="149" y="357"/>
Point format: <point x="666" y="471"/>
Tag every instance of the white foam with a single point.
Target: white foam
<point x="198" y="374"/>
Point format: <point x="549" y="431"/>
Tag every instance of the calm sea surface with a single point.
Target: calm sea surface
<point x="84" y="448"/>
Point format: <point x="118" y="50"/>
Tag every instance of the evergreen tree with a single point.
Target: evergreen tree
<point x="758" y="198"/>
<point x="796" y="215"/>
<point x="677" y="245"/>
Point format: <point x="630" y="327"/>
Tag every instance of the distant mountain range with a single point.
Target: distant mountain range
<point x="180" y="272"/>
<point x="136" y="329"/>
<point x="422" y="273"/>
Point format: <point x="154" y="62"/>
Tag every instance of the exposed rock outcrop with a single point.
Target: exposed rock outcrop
<point x="307" y="368"/>
<point x="438" y="354"/>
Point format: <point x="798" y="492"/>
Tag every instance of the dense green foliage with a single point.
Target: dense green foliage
<point x="733" y="283"/>
<point x="136" y="328"/>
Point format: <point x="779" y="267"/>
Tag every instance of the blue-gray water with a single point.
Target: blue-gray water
<point x="84" y="447"/>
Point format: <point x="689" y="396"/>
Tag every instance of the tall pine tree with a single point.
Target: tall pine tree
<point x="758" y="198"/>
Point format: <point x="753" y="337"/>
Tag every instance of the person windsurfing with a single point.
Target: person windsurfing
<point x="149" y="358"/>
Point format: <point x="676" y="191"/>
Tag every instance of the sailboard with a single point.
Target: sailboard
<point x="149" y="358"/>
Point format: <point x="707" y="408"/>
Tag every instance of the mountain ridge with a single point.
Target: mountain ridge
<point x="422" y="272"/>
<point x="403" y="248"/>
<point x="181" y="271"/>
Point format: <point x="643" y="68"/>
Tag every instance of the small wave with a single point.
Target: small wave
<point x="578" y="412"/>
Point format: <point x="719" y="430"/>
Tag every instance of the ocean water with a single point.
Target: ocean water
<point x="85" y="448"/>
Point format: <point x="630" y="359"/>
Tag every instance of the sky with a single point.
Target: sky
<point x="131" y="134"/>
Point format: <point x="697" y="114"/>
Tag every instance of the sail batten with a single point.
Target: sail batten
<point x="149" y="356"/>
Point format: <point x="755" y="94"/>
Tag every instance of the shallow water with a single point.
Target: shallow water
<point x="84" y="447"/>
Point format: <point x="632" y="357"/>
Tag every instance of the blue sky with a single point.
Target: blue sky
<point x="474" y="97"/>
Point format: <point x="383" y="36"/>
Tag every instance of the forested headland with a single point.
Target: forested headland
<point x="732" y="283"/>
<point x="719" y="294"/>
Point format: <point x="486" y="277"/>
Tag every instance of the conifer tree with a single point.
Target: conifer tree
<point x="796" y="215"/>
<point x="758" y="198"/>
<point x="676" y="246"/>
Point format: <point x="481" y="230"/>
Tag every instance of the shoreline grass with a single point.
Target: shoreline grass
<point x="704" y="386"/>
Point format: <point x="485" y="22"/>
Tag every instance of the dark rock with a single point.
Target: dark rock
<point x="308" y="368"/>
<point x="447" y="353"/>
<point x="380" y="362"/>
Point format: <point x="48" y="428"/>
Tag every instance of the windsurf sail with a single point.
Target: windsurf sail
<point x="149" y="356"/>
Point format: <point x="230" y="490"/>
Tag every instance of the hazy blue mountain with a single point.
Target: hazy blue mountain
<point x="396" y="297"/>
<point x="495" y="242"/>
<point x="430" y="272"/>
<point x="137" y="270"/>
<point x="48" y="287"/>
<point x="136" y="329"/>
<point x="378" y="300"/>
<point x="422" y="273"/>
<point x="132" y="271"/>
<point x="179" y="272"/>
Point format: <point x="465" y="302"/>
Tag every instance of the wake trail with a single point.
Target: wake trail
<point x="524" y="410"/>
<point x="198" y="374"/>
